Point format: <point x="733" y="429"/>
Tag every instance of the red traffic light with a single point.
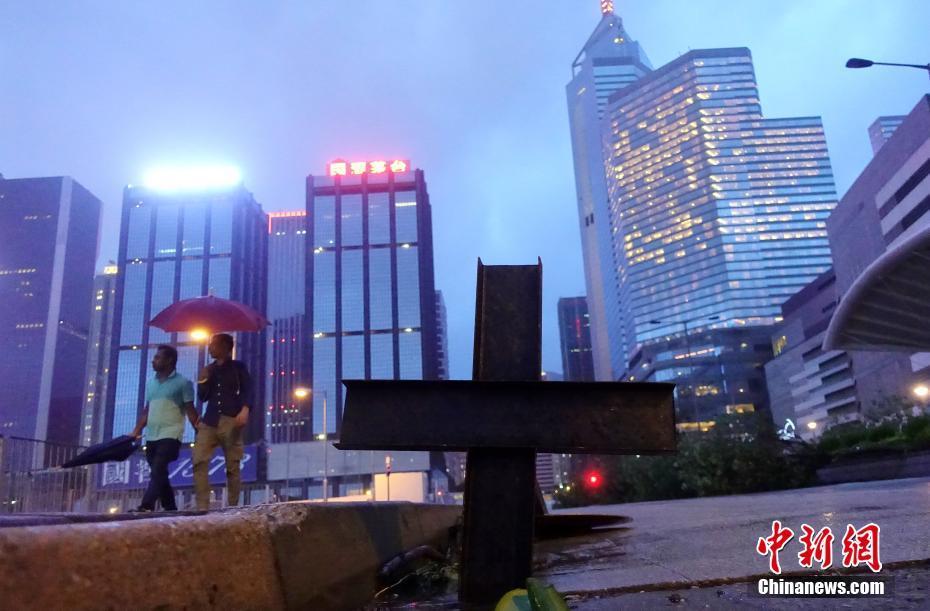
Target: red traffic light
<point x="593" y="479"/>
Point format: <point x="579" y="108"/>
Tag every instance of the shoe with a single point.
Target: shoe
<point x="140" y="510"/>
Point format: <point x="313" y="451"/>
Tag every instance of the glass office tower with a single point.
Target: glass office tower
<point x="48" y="249"/>
<point x="369" y="270"/>
<point x="178" y="243"/>
<point x="717" y="216"/>
<point x="575" y="339"/>
<point x="609" y="61"/>
<point x="442" y="338"/>
<point x="99" y="344"/>
<point x="287" y="417"/>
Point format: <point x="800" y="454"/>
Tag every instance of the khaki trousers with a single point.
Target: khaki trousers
<point x="229" y="437"/>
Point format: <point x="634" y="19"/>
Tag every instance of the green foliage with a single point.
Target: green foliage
<point x="740" y="454"/>
<point x="914" y="428"/>
<point x="885" y="430"/>
<point x="920" y="440"/>
<point x="896" y="433"/>
<point x="841" y="436"/>
<point x="888" y="406"/>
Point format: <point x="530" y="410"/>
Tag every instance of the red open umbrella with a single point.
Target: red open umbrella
<point x="213" y="314"/>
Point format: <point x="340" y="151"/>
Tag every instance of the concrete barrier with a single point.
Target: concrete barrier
<point x="284" y="556"/>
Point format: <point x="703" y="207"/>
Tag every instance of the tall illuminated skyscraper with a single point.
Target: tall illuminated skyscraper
<point x="575" y="339"/>
<point x="609" y="61"/>
<point x="287" y="417"/>
<point x="369" y="270"/>
<point x="184" y="234"/>
<point x="442" y="337"/>
<point x="49" y="230"/>
<point x="99" y="345"/>
<point x="717" y="217"/>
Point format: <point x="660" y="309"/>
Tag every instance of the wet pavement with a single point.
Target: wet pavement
<point x="707" y="540"/>
<point x="910" y="591"/>
<point x="700" y="553"/>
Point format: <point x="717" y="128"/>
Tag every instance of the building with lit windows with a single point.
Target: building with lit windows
<point x="370" y="313"/>
<point x="184" y="234"/>
<point x="372" y="301"/>
<point x="99" y="344"/>
<point x="608" y="61"/>
<point x="882" y="129"/>
<point x="442" y="338"/>
<point x="717" y="216"/>
<point x="817" y="387"/>
<point x="575" y="339"/>
<point x="49" y="229"/>
<point x="287" y="417"/>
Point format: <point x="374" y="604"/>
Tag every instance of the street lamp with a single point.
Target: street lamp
<point x="690" y="357"/>
<point x="303" y="393"/>
<point x="300" y="393"/>
<point x="858" y="62"/>
<point x="922" y="392"/>
<point x="199" y="335"/>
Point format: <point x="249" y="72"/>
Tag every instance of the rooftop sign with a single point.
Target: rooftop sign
<point x="339" y="167"/>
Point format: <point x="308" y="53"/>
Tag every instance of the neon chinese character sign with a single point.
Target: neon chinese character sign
<point x="357" y="168"/>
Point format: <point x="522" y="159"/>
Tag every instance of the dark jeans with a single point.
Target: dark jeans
<point x="159" y="454"/>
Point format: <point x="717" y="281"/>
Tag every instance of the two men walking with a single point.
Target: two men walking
<point x="225" y="387"/>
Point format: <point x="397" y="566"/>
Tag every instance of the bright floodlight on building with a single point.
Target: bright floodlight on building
<point x="812" y="425"/>
<point x="192" y="178"/>
<point x="301" y="393"/>
<point x="921" y="391"/>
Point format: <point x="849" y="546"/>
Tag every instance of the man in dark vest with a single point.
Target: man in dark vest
<point x="225" y="386"/>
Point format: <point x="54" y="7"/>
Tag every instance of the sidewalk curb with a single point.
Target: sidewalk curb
<point x="284" y="556"/>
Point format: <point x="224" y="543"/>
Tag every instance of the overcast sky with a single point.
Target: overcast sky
<point x="471" y="92"/>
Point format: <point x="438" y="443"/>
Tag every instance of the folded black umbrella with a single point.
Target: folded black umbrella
<point x="117" y="449"/>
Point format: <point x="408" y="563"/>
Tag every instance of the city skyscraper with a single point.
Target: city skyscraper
<point x="442" y="337"/>
<point x="50" y="230"/>
<point x="882" y="128"/>
<point x="717" y="216"/>
<point x="575" y="338"/>
<point x="369" y="269"/>
<point x="287" y="418"/>
<point x="99" y="345"/>
<point x="184" y="234"/>
<point x="608" y="61"/>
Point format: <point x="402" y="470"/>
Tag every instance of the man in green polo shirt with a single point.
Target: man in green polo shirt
<point x="169" y="396"/>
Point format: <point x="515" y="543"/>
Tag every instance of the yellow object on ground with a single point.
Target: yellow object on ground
<point x="537" y="596"/>
<point x="514" y="600"/>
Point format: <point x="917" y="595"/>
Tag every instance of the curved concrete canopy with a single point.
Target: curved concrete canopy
<point x="887" y="308"/>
